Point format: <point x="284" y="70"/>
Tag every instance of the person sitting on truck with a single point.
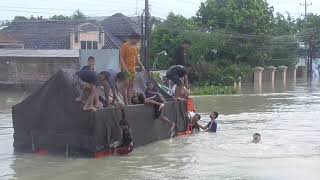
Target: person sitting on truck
<point x="152" y="94"/>
<point x="140" y="98"/>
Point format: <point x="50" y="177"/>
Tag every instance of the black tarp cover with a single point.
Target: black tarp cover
<point x="51" y="117"/>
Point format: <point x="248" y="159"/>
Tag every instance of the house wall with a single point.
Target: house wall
<point x="105" y="59"/>
<point x="86" y="36"/>
<point x="33" y="70"/>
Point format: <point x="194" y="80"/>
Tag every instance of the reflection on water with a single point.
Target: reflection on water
<point x="287" y="120"/>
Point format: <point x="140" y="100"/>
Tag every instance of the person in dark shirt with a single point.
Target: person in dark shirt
<point x="175" y="74"/>
<point x="91" y="64"/>
<point x="180" y="53"/>
<point x="212" y="125"/>
<point x="91" y="80"/>
<point x="126" y="141"/>
<point x="151" y="93"/>
<point x="140" y="98"/>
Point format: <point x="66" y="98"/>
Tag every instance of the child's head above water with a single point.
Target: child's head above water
<point x="214" y="115"/>
<point x="256" y="138"/>
<point x="196" y="117"/>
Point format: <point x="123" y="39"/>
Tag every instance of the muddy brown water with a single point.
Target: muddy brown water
<point x="287" y="118"/>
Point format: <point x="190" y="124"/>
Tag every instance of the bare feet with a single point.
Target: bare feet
<point x="89" y="108"/>
<point x="99" y="105"/>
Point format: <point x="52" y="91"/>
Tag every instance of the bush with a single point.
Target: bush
<point x="212" y="90"/>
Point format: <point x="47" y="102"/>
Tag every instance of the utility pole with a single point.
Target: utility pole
<point x="147" y="29"/>
<point x="142" y="46"/>
<point x="306" y="5"/>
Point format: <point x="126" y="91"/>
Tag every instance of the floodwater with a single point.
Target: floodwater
<point x="287" y="118"/>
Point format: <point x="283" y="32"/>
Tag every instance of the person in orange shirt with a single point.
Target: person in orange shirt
<point x="129" y="59"/>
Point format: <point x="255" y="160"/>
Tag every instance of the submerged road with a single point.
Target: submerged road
<point x="288" y="120"/>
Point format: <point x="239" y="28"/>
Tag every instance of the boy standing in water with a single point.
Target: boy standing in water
<point x="212" y="125"/>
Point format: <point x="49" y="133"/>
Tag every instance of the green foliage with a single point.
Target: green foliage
<point x="78" y="15"/>
<point x="212" y="90"/>
<point x="231" y="37"/>
<point x="59" y="17"/>
<point x="156" y="76"/>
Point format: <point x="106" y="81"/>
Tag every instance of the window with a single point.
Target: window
<point x="89" y="44"/>
<point x="83" y="44"/>
<point x="76" y="37"/>
<point x="100" y="37"/>
<point x="95" y="45"/>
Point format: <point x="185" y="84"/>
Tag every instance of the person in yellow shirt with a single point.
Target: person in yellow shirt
<point x="129" y="54"/>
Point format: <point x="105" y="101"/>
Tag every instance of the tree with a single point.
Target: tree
<point x="59" y="17"/>
<point x="20" y="18"/>
<point x="78" y="15"/>
<point x="166" y="36"/>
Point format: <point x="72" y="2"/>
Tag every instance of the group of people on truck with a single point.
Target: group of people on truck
<point x="117" y="88"/>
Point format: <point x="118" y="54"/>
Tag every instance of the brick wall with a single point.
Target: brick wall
<point x="32" y="70"/>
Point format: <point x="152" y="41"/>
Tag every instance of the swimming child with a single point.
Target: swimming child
<point x="256" y="138"/>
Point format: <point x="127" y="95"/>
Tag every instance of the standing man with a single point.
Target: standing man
<point x="180" y="53"/>
<point x="91" y="64"/>
<point x="180" y="56"/>
<point x="129" y="59"/>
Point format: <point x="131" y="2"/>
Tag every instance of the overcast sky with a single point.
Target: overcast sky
<point x="160" y="8"/>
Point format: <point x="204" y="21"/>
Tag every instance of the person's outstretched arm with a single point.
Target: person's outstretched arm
<point x="122" y="56"/>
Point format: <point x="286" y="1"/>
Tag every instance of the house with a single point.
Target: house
<point x="119" y="28"/>
<point x="7" y="42"/>
<point x="57" y="34"/>
<point x="74" y="34"/>
<point x="34" y="66"/>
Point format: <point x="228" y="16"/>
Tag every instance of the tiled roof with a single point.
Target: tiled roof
<point x="38" y="53"/>
<point x="120" y="25"/>
<point x="44" y="34"/>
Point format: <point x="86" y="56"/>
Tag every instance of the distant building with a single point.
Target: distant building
<point x="7" y="42"/>
<point x="74" y="34"/>
<point x="34" y="66"/>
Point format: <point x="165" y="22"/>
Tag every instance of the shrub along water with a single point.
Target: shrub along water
<point x="212" y="90"/>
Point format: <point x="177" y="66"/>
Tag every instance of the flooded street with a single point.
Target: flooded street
<point x="288" y="120"/>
